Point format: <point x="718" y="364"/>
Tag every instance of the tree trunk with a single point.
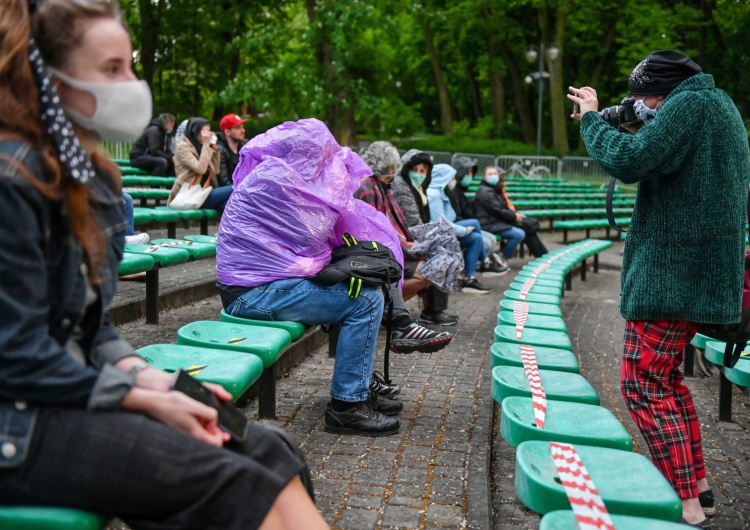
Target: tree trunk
<point x="557" y="90"/>
<point x="446" y="119"/>
<point x="150" y="27"/>
<point x="519" y="95"/>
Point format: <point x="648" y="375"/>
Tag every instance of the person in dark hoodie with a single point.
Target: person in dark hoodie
<point x="151" y="152"/>
<point x="409" y="190"/>
<point x="230" y="141"/>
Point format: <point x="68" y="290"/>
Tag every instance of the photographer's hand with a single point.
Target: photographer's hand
<point x="586" y="98"/>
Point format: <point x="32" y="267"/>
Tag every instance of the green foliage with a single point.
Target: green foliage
<point x="455" y="144"/>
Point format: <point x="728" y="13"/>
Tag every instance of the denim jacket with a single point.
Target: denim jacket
<point x="42" y="300"/>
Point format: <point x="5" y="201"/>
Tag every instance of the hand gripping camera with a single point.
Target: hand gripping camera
<point x="619" y="115"/>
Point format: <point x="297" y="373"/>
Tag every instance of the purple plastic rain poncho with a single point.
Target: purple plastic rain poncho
<point x="293" y="199"/>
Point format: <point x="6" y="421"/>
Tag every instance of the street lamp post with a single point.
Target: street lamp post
<point x="552" y="53"/>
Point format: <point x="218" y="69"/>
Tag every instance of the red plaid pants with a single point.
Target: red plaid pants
<point x="660" y="405"/>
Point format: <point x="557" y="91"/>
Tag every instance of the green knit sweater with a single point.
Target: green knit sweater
<point x="684" y="252"/>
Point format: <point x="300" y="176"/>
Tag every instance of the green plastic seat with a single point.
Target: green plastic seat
<point x="740" y="374"/>
<point x="565" y="421"/>
<point x="153" y="193"/>
<point x="507" y="354"/>
<point x="590" y="223"/>
<point x="195" y="249"/>
<point x="699" y="341"/>
<point x="199" y="238"/>
<point x="160" y="216"/>
<point x="164" y="256"/>
<point x="554" y="280"/>
<point x="135" y="263"/>
<point x="235" y="371"/>
<point x="566" y="520"/>
<point x="141" y="217"/>
<point x="627" y="482"/>
<point x="129" y="170"/>
<point x="538" y="288"/>
<point x="295" y="329"/>
<point x="561" y="386"/>
<point x="210" y="214"/>
<point x="550" y="275"/>
<point x="512" y="294"/>
<point x="534" y="308"/>
<point x="266" y="343"/>
<point x="43" y="518"/>
<point x="534" y="337"/>
<point x="506" y="318"/>
<point x="188" y="215"/>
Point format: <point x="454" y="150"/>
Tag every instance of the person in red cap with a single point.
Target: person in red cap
<point x="231" y="140"/>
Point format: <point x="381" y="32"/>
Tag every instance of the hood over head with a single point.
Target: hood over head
<point x="410" y="159"/>
<point x="442" y="174"/>
<point x="463" y="164"/>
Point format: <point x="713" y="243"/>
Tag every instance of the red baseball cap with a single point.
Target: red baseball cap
<point x="229" y="121"/>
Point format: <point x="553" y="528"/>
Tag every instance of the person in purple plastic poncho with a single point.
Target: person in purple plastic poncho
<point x="293" y="200"/>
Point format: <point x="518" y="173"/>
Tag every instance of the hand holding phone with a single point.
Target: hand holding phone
<point x="231" y="420"/>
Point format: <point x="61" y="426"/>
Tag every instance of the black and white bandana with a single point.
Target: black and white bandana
<point x="73" y="158"/>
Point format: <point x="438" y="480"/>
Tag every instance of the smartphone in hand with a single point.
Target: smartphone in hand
<point x="231" y="420"/>
<point x="576" y="108"/>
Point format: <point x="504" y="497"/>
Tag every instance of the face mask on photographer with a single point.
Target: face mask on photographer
<point x="123" y="109"/>
<point x="644" y="113"/>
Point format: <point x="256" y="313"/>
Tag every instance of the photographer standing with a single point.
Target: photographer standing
<point x="683" y="259"/>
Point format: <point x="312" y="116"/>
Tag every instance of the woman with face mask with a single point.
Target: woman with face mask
<point x="198" y="158"/>
<point x="87" y="423"/>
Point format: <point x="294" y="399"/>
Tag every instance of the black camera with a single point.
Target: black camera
<point x="619" y="115"/>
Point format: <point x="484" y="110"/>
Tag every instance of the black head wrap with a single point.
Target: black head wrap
<point x="193" y="131"/>
<point x="661" y="72"/>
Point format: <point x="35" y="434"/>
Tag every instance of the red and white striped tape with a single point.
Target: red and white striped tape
<point x="538" y="397"/>
<point x="526" y="287"/>
<point x="587" y="504"/>
<point x="170" y="244"/>
<point x="520" y="314"/>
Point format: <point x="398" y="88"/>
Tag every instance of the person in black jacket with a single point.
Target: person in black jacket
<point x="496" y="214"/>
<point x="231" y="139"/>
<point x="152" y="152"/>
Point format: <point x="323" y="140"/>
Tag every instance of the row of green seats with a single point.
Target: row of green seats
<point x="154" y="182"/>
<point x="170" y="217"/>
<point x="588" y="225"/>
<point x="529" y="315"/>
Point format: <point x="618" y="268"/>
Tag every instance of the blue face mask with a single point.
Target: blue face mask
<point x="492" y="180"/>
<point x="466" y="181"/>
<point x="645" y="114"/>
<point x="417" y="178"/>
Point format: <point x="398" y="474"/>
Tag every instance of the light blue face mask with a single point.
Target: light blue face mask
<point x="466" y="181"/>
<point x="492" y="180"/>
<point x="417" y="178"/>
<point x="645" y="114"/>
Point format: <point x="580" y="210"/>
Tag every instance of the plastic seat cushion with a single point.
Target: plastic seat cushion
<point x="562" y="386"/>
<point x="295" y="329"/>
<point x="507" y="354"/>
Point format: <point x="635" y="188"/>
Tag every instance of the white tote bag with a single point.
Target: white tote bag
<point x="191" y="195"/>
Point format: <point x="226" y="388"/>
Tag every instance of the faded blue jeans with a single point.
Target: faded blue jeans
<point x="300" y="300"/>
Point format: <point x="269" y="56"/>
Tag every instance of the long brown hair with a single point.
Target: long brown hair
<point x="58" y="27"/>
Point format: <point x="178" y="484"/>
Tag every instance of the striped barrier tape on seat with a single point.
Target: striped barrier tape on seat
<point x="520" y="314"/>
<point x="538" y="397"/>
<point x="526" y="287"/>
<point x="152" y="248"/>
<point x="547" y="264"/>
<point x="587" y="504"/>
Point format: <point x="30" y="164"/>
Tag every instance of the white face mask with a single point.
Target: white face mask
<point x="452" y="184"/>
<point x="123" y="109"/>
<point x="645" y="114"/>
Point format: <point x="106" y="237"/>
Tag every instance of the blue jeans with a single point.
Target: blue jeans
<point x="473" y="246"/>
<point x="513" y="236"/>
<point x="218" y="198"/>
<point x="300" y="300"/>
<point x="128" y="200"/>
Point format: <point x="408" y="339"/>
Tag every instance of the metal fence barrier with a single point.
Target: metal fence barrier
<point x="582" y="169"/>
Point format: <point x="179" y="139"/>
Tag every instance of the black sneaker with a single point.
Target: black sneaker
<point x="491" y="269"/>
<point x="472" y="285"/>
<point x="379" y="386"/>
<point x="708" y="503"/>
<point x="360" y="419"/>
<point x="418" y="338"/>
<point x="438" y="318"/>
<point x="388" y="406"/>
<point x="705" y="524"/>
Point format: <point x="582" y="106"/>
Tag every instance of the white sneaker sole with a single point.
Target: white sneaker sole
<point x="471" y="290"/>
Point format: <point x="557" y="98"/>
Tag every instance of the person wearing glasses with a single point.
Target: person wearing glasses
<point x="87" y="423"/>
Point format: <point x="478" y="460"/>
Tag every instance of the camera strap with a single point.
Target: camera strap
<point x="610" y="213"/>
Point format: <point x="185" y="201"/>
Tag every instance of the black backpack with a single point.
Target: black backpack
<point x="364" y="262"/>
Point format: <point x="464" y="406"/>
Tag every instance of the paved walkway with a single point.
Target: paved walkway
<point x="448" y="467"/>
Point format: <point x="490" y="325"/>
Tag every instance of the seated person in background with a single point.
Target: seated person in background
<point x="467" y="231"/>
<point x="179" y="133"/>
<point x="86" y="422"/>
<point x="408" y="189"/>
<point x="231" y="140"/>
<point x="197" y="155"/>
<point x="382" y="158"/>
<point x="130" y="235"/>
<point x="293" y="200"/>
<point x="152" y="151"/>
<point x="466" y="168"/>
<point x="496" y="214"/>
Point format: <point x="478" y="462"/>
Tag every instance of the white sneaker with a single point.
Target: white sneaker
<point x="141" y="239"/>
<point x="500" y="259"/>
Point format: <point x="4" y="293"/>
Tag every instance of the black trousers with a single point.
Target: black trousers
<point x="149" y="475"/>
<point x="536" y="247"/>
<point x="434" y="300"/>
